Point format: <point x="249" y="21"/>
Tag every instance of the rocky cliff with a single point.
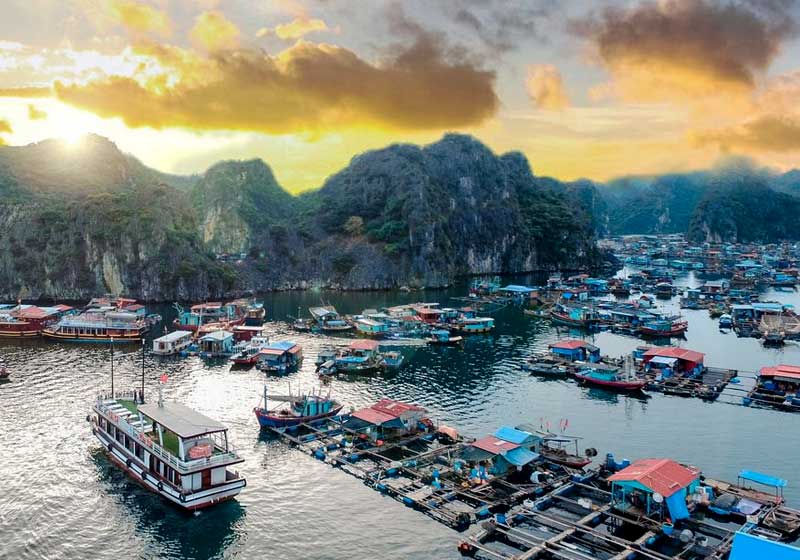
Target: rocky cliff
<point x="94" y="220"/>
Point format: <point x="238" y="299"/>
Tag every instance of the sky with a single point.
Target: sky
<point x="584" y="89"/>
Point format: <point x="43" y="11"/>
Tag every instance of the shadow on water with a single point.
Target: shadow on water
<point x="201" y="535"/>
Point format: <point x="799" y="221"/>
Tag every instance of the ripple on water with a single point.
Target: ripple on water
<point x="62" y="499"/>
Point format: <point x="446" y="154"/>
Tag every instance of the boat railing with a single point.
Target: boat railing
<point x="155" y="448"/>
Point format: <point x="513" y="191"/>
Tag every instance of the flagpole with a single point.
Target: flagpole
<point x="112" y="367"/>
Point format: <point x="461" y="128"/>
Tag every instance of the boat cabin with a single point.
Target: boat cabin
<point x="475" y="325"/>
<point x="172" y="343"/>
<point x="574" y="350"/>
<point x="281" y="356"/>
<point x="655" y="488"/>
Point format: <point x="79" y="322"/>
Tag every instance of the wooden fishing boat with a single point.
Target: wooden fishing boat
<point x="247" y="354"/>
<point x="295" y="409"/>
<point x="674" y="326"/>
<point x="255" y="315"/>
<point x="608" y="377"/>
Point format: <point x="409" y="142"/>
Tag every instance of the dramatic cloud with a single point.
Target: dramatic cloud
<point x="212" y="32"/>
<point x="28" y="92"/>
<point x="685" y="48"/>
<point x="546" y="87"/>
<point x="36" y="114"/>
<point x="306" y="88"/>
<point x="138" y="18"/>
<point x="295" y="29"/>
<point x="770" y="133"/>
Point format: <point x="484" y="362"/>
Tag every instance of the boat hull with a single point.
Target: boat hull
<point x="637" y="385"/>
<point x="275" y="421"/>
<point x="104" y="339"/>
<point x="189" y="502"/>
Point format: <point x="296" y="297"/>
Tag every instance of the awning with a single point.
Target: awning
<point x="663" y="360"/>
<point x="761" y="478"/>
<point x="520" y="456"/>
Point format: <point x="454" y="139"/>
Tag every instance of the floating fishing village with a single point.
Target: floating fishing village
<point x="523" y="491"/>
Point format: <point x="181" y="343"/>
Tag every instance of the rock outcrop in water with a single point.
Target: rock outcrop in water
<point x="94" y="220"/>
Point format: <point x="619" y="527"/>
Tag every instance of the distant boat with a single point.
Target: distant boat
<point x="295" y="409"/>
<point x="328" y="319"/>
<point x="247" y="353"/>
<point x="5" y="373"/>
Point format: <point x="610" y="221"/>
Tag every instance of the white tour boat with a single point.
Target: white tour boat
<point x="168" y="448"/>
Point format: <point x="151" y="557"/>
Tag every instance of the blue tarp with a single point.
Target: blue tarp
<point x="677" y="506"/>
<point x="764" y="479"/>
<point x="517" y="289"/>
<point x="749" y="547"/>
<point x="507" y="433"/>
<point x="520" y="456"/>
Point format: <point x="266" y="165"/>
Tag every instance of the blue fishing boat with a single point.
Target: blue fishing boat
<point x="295" y="409"/>
<point x="608" y="377"/>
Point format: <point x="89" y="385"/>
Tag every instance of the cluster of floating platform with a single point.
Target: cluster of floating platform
<point x="527" y="504"/>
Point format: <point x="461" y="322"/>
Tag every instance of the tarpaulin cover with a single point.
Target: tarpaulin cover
<point x="761" y="478"/>
<point x="520" y="456"/>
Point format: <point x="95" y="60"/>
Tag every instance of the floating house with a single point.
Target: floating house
<point x="777" y="385"/>
<point x="172" y="343"/>
<point x="655" y="488"/>
<point x="283" y="356"/>
<point x="474" y="325"/>
<point x="371" y="328"/>
<point x="385" y="420"/>
<point x="216" y="344"/>
<point x="670" y="360"/>
<point x="574" y="350"/>
<point x="507" y="450"/>
<point x="328" y="319"/>
<point x="26" y="321"/>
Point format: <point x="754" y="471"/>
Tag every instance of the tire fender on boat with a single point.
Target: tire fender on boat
<point x="183" y="498"/>
<point x="160" y="486"/>
<point x="110" y="446"/>
<point x="128" y="463"/>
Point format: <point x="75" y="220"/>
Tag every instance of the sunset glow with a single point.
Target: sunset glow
<point x="308" y="85"/>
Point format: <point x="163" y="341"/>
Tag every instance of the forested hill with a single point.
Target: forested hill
<point x="84" y="220"/>
<point x="734" y="202"/>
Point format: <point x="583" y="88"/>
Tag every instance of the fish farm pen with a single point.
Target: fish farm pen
<point x="528" y="505"/>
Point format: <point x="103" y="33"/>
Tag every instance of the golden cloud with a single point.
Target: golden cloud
<point x="766" y="133"/>
<point x="306" y="88"/>
<point x="26" y="92"/>
<point x="680" y="49"/>
<point x="546" y="87"/>
<point x="36" y="114"/>
<point x="299" y="27"/>
<point x="139" y="18"/>
<point x="212" y="32"/>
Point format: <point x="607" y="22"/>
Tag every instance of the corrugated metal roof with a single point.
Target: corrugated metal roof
<point x="182" y="420"/>
<point x="673" y="352"/>
<point x="494" y="445"/>
<point x="364" y="345"/>
<point x="663" y="476"/>
<point x="373" y="416"/>
<point x="512" y="435"/>
<point x="395" y="408"/>
<point x="791" y="372"/>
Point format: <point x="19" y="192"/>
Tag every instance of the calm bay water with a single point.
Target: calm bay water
<point x="60" y="497"/>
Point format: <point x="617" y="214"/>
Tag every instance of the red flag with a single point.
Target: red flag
<point x="163" y="378"/>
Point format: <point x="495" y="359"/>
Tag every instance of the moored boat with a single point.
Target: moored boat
<point x="328" y="319"/>
<point x="247" y="353"/>
<point x="392" y="360"/>
<point x="295" y="409"/>
<point x="172" y="343"/>
<point x="168" y="448"/>
<point x="255" y="314"/>
<point x="671" y="326"/>
<point x="608" y="377"/>
<point x="111" y="327"/>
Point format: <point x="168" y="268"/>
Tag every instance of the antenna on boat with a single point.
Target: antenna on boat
<point x="141" y="397"/>
<point x="112" y="367"/>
